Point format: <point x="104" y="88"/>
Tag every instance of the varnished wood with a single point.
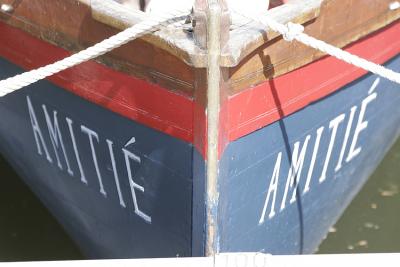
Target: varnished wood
<point x="170" y="57"/>
<point x="340" y="23"/>
<point x="69" y="24"/>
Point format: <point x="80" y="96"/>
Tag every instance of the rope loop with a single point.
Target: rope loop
<point x="292" y="31"/>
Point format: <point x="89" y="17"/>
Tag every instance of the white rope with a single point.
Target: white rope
<point x="149" y="25"/>
<point x="293" y="31"/>
<point x="289" y="32"/>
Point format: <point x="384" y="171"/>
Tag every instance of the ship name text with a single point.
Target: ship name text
<point x="63" y="158"/>
<point x="353" y="128"/>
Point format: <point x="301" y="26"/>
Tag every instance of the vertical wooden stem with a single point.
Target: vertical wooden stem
<point x="213" y="110"/>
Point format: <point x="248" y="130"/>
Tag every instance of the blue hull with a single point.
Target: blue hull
<point x="124" y="190"/>
<point x="149" y="217"/>
<point x="282" y="187"/>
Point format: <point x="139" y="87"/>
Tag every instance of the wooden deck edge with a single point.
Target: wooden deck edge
<point x="181" y="44"/>
<point x="246" y="39"/>
<point x="175" y="46"/>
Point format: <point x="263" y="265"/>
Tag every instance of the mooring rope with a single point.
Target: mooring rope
<point x="290" y="32"/>
<point x="152" y="24"/>
<point x="293" y="31"/>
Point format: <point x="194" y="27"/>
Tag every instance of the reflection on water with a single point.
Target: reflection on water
<point x="372" y="221"/>
<point x="370" y="224"/>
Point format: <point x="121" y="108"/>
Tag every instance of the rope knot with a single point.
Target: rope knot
<point x="292" y="30"/>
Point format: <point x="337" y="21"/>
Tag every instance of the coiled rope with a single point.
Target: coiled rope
<point x="290" y="32"/>
<point x="147" y="26"/>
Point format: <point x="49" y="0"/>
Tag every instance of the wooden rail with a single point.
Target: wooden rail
<point x="251" y="56"/>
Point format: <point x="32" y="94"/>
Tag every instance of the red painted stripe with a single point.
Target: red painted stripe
<point x="268" y="102"/>
<point x="135" y="99"/>
<point x="173" y="114"/>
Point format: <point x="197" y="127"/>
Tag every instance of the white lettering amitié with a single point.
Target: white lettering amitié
<point x="64" y="154"/>
<point x="335" y="126"/>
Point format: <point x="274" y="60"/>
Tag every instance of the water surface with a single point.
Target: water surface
<point x="372" y="221"/>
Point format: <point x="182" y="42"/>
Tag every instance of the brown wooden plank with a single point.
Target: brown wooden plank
<point x="339" y="23"/>
<point x="70" y="25"/>
<point x="251" y="59"/>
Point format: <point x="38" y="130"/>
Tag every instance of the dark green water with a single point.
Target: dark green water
<point x="370" y="224"/>
<point x="372" y="221"/>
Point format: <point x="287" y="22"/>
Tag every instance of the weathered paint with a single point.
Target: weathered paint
<point x="159" y="209"/>
<point x="120" y="189"/>
<point x="138" y="100"/>
<point x="257" y="107"/>
<point x="283" y="186"/>
<point x="124" y="187"/>
<point x="172" y="113"/>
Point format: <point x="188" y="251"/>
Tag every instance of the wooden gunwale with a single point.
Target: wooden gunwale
<point x="251" y="56"/>
<point x="69" y="24"/>
<point x="340" y="23"/>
